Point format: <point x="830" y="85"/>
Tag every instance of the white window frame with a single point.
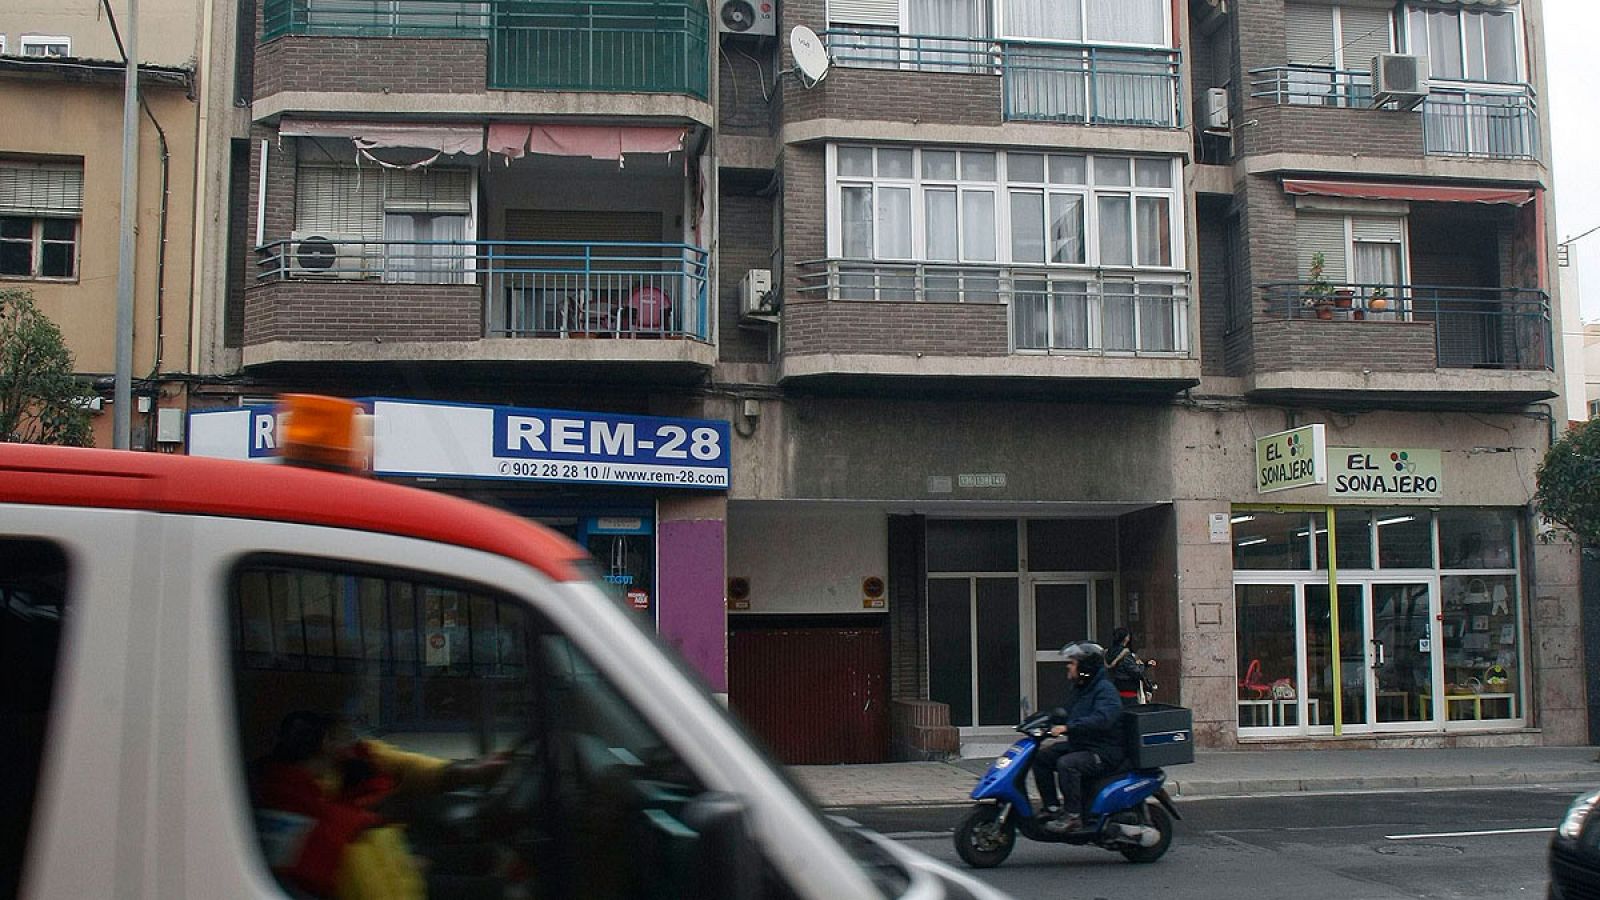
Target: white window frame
<point x="469" y="273"/>
<point x="45" y="41"/>
<point x="37" y="253"/>
<point x="996" y="29"/>
<point x="1519" y="47"/>
<point x="1002" y="187"/>
<point x="2" y="45"/>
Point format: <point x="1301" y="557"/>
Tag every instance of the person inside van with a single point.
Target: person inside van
<point x="1093" y="744"/>
<point x="320" y="798"/>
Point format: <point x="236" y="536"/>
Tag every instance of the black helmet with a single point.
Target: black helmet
<point x="1089" y="656"/>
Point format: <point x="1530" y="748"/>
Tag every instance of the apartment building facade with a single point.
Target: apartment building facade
<point x="968" y="342"/>
<point x="61" y="172"/>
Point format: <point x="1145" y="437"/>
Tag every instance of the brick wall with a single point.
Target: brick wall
<point x="936" y="329"/>
<point x="278" y="221"/>
<point x="1212" y="266"/>
<point x="804" y="213"/>
<point x="362" y="311"/>
<point x="745" y="243"/>
<point x="373" y="65"/>
<point x="745" y="105"/>
<point x="1329" y="129"/>
<point x="1317" y="345"/>
<point x="892" y="96"/>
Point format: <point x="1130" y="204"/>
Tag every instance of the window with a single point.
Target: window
<point x="33" y="585"/>
<point x="1140" y="23"/>
<point x="41" y="205"/>
<point x="1329" y="50"/>
<point x="984" y="206"/>
<point x="388" y="221"/>
<point x="1366" y="253"/>
<point x="46" y="45"/>
<point x="1594" y="408"/>
<point x="404" y="684"/>
<point x="1467" y="45"/>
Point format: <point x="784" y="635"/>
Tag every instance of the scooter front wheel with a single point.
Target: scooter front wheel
<point x="982" y="840"/>
<point x="1161" y="822"/>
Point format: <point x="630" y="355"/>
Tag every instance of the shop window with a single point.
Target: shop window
<point x="1266" y="626"/>
<point x="33" y="586"/>
<point x="1072" y="545"/>
<point x="1480" y="632"/>
<point x="1405" y="538"/>
<point x="1268" y="540"/>
<point x="486" y="733"/>
<point x="972" y="545"/>
<point x="1354" y="533"/>
<point x="1477" y="538"/>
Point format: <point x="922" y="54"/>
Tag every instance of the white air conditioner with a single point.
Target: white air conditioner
<point x="755" y="294"/>
<point x="1399" y="79"/>
<point x="313" y="253"/>
<point x="752" y="17"/>
<point x="1217" y="109"/>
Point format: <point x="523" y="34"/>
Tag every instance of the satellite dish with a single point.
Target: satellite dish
<point x="810" y="57"/>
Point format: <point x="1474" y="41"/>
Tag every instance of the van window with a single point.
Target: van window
<point x="410" y="736"/>
<point x="33" y="591"/>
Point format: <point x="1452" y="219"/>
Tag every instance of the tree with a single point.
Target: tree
<point x="1569" y="482"/>
<point x="41" y="400"/>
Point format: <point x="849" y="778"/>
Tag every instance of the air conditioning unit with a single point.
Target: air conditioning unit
<point x="755" y="294"/>
<point x="1217" y="109"/>
<point x="321" y="254"/>
<point x="1399" y="79"/>
<point x="752" y="17"/>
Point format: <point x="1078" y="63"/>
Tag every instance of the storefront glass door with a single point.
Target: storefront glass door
<point x="1320" y="654"/>
<point x="1400" y="653"/>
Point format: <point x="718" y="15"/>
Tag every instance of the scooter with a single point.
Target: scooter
<point x="1131" y="813"/>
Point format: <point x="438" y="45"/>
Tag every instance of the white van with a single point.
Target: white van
<point x="166" y="622"/>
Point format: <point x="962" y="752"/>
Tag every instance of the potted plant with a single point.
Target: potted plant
<point x="1378" y="303"/>
<point x="1319" y="291"/>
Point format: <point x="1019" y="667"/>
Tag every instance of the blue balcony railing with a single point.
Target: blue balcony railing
<point x="530" y="288"/>
<point x="1491" y="121"/>
<point x="1040" y="82"/>
<point x="1050" y="310"/>
<point x="1473" y="327"/>
<point x="636" y="46"/>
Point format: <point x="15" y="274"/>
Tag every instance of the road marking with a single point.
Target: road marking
<point x="1452" y="834"/>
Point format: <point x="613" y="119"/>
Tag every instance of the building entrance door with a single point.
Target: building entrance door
<point x="1400" y="653"/>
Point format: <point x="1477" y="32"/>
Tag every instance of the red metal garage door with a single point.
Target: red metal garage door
<point x="814" y="695"/>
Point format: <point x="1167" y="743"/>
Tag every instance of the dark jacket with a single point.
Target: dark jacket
<point x="1128" y="672"/>
<point x="1094" y="719"/>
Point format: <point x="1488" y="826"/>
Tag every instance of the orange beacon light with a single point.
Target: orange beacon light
<point x="323" y="432"/>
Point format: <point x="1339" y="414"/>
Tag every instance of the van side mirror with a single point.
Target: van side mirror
<point x="727" y="862"/>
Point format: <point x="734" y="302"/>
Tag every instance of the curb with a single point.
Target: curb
<point x="1205" y="790"/>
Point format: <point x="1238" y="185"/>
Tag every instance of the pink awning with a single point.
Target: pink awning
<point x="593" y="141"/>
<point x="1365" y="190"/>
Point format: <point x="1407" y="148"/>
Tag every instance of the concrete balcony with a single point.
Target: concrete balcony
<point x="1009" y="329"/>
<point x="1408" y="345"/>
<point x="534" y="57"/>
<point x="337" y="301"/>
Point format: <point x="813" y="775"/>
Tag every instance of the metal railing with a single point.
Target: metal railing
<point x="1049" y="310"/>
<point x="530" y="288"/>
<point x="1493" y="121"/>
<point x="1473" y="327"/>
<point x="601" y="45"/>
<point x="638" y="46"/>
<point x="1040" y="82"/>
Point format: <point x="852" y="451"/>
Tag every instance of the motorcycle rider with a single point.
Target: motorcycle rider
<point x="1093" y="739"/>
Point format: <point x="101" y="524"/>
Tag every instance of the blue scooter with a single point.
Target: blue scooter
<point x="1131" y="812"/>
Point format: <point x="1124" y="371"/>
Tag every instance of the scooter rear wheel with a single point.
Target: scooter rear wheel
<point x="1160" y="821"/>
<point x="982" y="841"/>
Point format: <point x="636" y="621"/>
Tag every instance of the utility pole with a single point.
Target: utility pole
<point x="122" y="395"/>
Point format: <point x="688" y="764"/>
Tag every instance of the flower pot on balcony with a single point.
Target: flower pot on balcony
<point x="1358" y="315"/>
<point x="1343" y="298"/>
<point x="1325" y="311"/>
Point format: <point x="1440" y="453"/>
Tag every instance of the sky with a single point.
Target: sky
<point x="1572" y="33"/>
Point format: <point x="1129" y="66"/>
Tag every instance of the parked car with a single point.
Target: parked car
<point x="1575" y="852"/>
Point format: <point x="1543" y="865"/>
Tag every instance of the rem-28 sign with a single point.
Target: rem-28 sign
<point x="454" y="440"/>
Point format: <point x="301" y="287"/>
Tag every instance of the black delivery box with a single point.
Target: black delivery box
<point x="1157" y="735"/>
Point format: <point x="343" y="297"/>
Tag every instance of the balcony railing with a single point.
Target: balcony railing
<point x="530" y="288"/>
<point x="1049" y="310"/>
<point x="637" y="46"/>
<point x="1492" y="121"/>
<point x="1040" y="82"/>
<point x="1473" y="327"/>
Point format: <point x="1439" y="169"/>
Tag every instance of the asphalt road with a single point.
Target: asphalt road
<point x="1375" y="846"/>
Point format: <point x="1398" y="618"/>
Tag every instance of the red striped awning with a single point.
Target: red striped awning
<point x="1366" y="190"/>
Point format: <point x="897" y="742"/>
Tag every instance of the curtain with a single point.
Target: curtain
<point x="1060" y="20"/>
<point x="1116" y="315"/>
<point x="856" y="219"/>
<point x="940" y="223"/>
<point x="1066" y="228"/>
<point x="1069" y="313"/>
<point x="409" y="258"/>
<point x="1116" y="230"/>
<point x="978" y="226"/>
<point x="1154" y="231"/>
<point x="1377" y="263"/>
<point x="963" y="20"/>
<point x="1127" y="21"/>
<point x="1031" y="315"/>
<point x="1027" y="226"/>
<point x="1155" y="317"/>
<point x="894" y="223"/>
<point x="1444" y="43"/>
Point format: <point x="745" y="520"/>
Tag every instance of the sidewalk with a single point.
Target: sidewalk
<point x="1238" y="773"/>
